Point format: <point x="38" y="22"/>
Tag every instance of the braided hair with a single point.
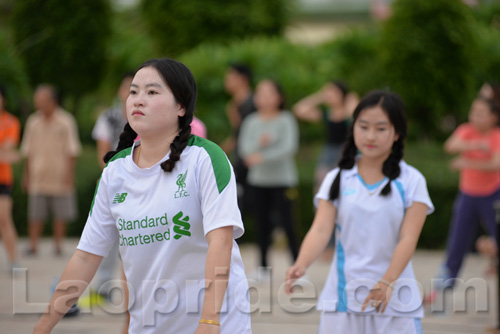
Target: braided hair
<point x="393" y="106"/>
<point x="180" y="81"/>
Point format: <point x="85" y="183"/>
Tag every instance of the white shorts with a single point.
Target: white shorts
<point x="342" y="322"/>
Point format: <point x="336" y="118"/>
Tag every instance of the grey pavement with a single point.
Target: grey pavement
<point x="23" y="297"/>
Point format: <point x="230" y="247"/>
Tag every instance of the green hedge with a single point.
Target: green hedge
<point x="300" y="70"/>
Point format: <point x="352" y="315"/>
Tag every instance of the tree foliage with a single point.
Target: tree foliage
<point x="63" y="41"/>
<point x="12" y="76"/>
<point x="428" y="50"/>
<point x="179" y="25"/>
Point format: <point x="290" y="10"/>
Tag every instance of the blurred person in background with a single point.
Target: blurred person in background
<point x="477" y="143"/>
<point x="9" y="139"/>
<point x="238" y="84"/>
<point x="332" y="105"/>
<point x="491" y="90"/>
<point x="268" y="143"/>
<point x="50" y="145"/>
<point x="111" y="122"/>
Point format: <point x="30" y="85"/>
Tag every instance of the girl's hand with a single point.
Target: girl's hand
<point x="378" y="297"/>
<point x="292" y="274"/>
<point x="207" y="329"/>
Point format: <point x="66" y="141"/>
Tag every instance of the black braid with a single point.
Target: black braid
<point x="127" y="138"/>
<point x="347" y="161"/>
<point x="179" y="144"/>
<point x="391" y="167"/>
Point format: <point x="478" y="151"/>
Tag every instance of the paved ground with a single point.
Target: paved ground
<point x="274" y="313"/>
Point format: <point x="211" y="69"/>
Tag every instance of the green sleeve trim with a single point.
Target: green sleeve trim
<point x="121" y="154"/>
<point x="222" y="169"/>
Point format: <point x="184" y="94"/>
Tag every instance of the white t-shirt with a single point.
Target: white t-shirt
<point x="160" y="220"/>
<point x="109" y="126"/>
<point x="367" y="232"/>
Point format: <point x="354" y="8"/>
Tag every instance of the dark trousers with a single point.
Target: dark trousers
<point x="265" y="202"/>
<point x="468" y="211"/>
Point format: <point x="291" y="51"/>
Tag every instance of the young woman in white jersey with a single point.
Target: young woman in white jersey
<point x="170" y="201"/>
<point x="377" y="204"/>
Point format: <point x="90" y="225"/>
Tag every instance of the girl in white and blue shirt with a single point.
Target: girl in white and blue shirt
<point x="377" y="204"/>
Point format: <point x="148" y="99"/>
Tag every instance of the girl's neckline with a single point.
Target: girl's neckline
<point x="372" y="188"/>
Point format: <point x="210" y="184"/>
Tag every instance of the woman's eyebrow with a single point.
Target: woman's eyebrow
<point x="154" y="84"/>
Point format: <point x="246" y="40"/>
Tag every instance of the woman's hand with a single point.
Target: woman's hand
<point x="253" y="159"/>
<point x="378" y="297"/>
<point x="292" y="274"/>
<point x="207" y="329"/>
<point x="459" y="163"/>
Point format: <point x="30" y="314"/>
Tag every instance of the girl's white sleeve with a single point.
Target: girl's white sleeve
<point x="218" y="196"/>
<point x="324" y="189"/>
<point x="416" y="190"/>
<point x="100" y="232"/>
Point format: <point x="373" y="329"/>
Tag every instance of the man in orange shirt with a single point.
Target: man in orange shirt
<point x="9" y="139"/>
<point x="50" y="144"/>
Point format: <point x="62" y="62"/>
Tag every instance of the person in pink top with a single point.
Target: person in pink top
<point x="198" y="128"/>
<point x="477" y="144"/>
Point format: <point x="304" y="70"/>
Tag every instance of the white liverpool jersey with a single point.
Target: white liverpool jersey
<point x="160" y="220"/>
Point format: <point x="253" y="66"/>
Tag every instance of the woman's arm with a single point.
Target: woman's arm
<point x="307" y="108"/>
<point x="8" y="153"/>
<point x="248" y="142"/>
<point x="492" y="164"/>
<point x="217" y="267"/>
<point x="314" y="243"/>
<point x="408" y="236"/>
<point x="455" y="145"/>
<point x="78" y="273"/>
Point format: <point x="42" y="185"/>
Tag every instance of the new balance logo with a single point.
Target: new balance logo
<point x="120" y="198"/>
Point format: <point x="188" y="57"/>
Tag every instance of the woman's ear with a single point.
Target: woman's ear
<point x="181" y="111"/>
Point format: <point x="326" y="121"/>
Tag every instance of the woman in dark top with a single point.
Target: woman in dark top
<point x="333" y="105"/>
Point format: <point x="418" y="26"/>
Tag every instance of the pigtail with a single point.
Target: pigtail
<point x="347" y="161"/>
<point x="127" y="138"/>
<point x="391" y="167"/>
<point x="179" y="144"/>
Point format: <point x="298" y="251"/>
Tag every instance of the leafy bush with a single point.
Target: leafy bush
<point x="356" y="60"/>
<point x="487" y="33"/>
<point x="62" y="42"/>
<point x="179" y="25"/>
<point x="13" y="77"/>
<point x="427" y="51"/>
<point x="296" y="68"/>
